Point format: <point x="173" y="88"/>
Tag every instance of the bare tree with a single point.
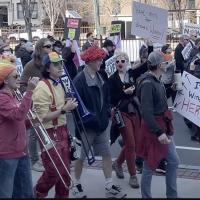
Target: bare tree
<point x="27" y="10"/>
<point x="53" y="9"/>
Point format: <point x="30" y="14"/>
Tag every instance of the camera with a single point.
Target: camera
<point x="118" y="118"/>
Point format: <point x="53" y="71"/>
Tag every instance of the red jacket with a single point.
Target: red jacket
<point x="149" y="147"/>
<point x="13" y="137"/>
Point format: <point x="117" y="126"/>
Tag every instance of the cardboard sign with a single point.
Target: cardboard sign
<point x="187" y="28"/>
<point x="187" y="101"/>
<point x="110" y="66"/>
<point x="72" y="28"/>
<point x="186" y="51"/>
<point x="149" y="22"/>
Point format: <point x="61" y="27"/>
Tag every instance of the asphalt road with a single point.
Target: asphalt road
<point x="189" y="151"/>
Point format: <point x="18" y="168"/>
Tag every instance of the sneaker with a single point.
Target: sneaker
<point x="133" y="182"/>
<point x="118" y="170"/>
<point x="77" y="191"/>
<point x="38" y="167"/>
<point x="114" y="192"/>
<point x="162" y="167"/>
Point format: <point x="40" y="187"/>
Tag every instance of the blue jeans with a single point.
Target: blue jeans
<point x="15" y="178"/>
<point x="172" y="159"/>
<point x="33" y="145"/>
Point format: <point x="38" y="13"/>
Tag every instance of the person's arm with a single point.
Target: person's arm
<point x="11" y="112"/>
<point x="147" y="108"/>
<point x="24" y="78"/>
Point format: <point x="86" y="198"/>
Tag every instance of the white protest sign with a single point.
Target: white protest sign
<point x="149" y="22"/>
<point x="19" y="65"/>
<point x="187" y="101"/>
<point x="187" y="50"/>
<point x="191" y="27"/>
<point x="110" y="66"/>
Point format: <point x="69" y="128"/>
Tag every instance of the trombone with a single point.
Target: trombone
<point x="81" y="112"/>
<point x="45" y="140"/>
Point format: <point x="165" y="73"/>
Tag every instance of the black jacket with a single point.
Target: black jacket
<point x="91" y="97"/>
<point x="117" y="95"/>
<point x="24" y="55"/>
<point x="152" y="96"/>
<point x="68" y="56"/>
<point x="179" y="58"/>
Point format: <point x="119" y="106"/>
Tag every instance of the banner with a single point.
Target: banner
<point x="187" y="101"/>
<point x="72" y="28"/>
<point x="187" y="28"/>
<point x="149" y="22"/>
<point x="110" y="66"/>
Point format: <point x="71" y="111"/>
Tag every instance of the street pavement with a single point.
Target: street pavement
<point x="93" y="183"/>
<point x="188" y="172"/>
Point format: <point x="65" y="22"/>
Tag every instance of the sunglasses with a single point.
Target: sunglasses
<point x="48" y="46"/>
<point x="122" y="61"/>
<point x="16" y="76"/>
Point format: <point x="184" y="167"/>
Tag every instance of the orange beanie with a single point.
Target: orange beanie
<point x="5" y="69"/>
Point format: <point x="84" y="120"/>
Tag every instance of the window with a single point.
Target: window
<point x="191" y="4"/>
<point x="34" y="9"/>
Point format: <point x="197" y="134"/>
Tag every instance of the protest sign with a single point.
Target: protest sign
<point x="187" y="28"/>
<point x="149" y="22"/>
<point x="19" y="66"/>
<point x="187" y="101"/>
<point x="187" y="50"/>
<point x="72" y="28"/>
<point x="110" y="66"/>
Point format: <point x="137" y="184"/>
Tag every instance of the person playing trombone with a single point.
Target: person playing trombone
<point x="15" y="171"/>
<point x="51" y="107"/>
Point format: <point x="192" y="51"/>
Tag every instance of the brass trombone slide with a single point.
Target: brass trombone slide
<point x="45" y="140"/>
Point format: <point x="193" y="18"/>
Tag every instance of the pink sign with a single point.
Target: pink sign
<point x="72" y="23"/>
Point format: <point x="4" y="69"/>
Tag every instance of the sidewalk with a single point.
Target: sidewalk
<point x="93" y="183"/>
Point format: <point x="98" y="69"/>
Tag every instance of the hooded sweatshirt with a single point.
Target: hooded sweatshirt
<point x="13" y="138"/>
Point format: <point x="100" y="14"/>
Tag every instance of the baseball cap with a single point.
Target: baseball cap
<point x="51" y="57"/>
<point x="108" y="43"/>
<point x="155" y="58"/>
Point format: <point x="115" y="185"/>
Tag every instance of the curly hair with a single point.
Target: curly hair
<point x="93" y="53"/>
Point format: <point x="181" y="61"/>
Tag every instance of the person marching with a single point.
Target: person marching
<point x="15" y="171"/>
<point x="51" y="107"/>
<point x="95" y="96"/>
<point x="155" y="140"/>
<point x="122" y="92"/>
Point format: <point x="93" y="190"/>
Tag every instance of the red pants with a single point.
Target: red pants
<point x="50" y="176"/>
<point x="129" y="135"/>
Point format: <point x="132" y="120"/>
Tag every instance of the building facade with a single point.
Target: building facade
<point x="11" y="13"/>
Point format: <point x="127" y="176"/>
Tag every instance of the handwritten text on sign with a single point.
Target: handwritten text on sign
<point x="110" y="66"/>
<point x="187" y="101"/>
<point x="149" y="22"/>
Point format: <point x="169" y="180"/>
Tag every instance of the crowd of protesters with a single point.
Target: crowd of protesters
<point x="137" y="95"/>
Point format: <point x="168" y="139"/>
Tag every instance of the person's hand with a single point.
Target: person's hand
<point x="192" y="65"/>
<point x="163" y="139"/>
<point x="129" y="90"/>
<point x="32" y="83"/>
<point x="70" y="105"/>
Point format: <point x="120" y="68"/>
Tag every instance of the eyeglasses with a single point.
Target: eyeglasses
<point x="48" y="46"/>
<point x="122" y="61"/>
